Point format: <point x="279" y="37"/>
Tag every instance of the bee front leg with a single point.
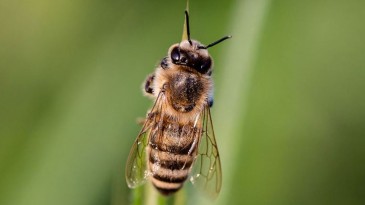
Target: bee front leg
<point x="148" y="89"/>
<point x="164" y="63"/>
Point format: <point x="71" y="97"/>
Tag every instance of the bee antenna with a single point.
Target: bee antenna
<point x="187" y="26"/>
<point x="215" y="43"/>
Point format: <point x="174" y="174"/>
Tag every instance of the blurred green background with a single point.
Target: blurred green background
<point x="289" y="109"/>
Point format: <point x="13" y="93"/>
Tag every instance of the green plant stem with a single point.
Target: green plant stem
<point x="147" y="195"/>
<point x="137" y="195"/>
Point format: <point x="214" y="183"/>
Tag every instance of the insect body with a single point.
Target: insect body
<point x="177" y="138"/>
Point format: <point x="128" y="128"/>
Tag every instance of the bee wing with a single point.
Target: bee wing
<point x="137" y="172"/>
<point x="207" y="172"/>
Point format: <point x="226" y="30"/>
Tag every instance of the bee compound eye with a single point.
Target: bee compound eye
<point x="205" y="66"/>
<point x="175" y="54"/>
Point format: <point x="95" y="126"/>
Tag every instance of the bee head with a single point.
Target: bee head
<point x="192" y="53"/>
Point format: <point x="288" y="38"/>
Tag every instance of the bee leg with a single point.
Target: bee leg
<point x="148" y="84"/>
<point x="140" y="121"/>
<point x="210" y="101"/>
<point x="164" y="64"/>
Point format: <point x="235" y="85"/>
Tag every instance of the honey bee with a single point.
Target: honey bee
<point x="177" y="139"/>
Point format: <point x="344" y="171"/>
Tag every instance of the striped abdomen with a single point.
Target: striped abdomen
<point x="171" y="154"/>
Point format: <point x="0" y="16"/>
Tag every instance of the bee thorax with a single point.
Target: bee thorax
<point x="184" y="91"/>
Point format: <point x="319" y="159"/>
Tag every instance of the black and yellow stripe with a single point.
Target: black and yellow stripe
<point x="171" y="154"/>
